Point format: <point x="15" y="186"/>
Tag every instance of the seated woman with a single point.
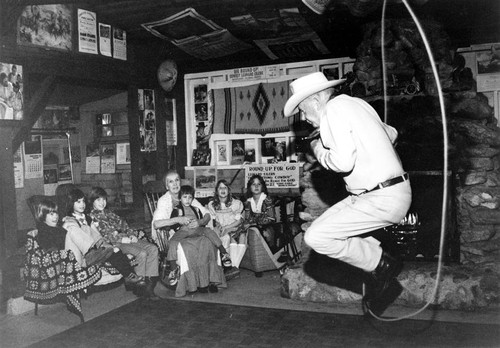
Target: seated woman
<point x="226" y="213"/>
<point x="198" y="258"/>
<point x="87" y="243"/>
<point x="117" y="232"/>
<point x="259" y="209"/>
<point x="191" y="224"/>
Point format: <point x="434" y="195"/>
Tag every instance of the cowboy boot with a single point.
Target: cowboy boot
<point x="388" y="268"/>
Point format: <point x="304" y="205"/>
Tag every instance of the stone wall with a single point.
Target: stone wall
<point x="477" y="140"/>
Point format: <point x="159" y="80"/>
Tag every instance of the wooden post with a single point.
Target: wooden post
<point x="8" y="219"/>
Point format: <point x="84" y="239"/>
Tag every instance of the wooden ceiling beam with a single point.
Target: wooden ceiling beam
<point x="35" y="107"/>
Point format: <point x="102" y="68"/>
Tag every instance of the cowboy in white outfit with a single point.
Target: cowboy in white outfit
<point x="355" y="142"/>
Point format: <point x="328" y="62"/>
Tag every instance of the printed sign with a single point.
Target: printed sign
<point x="278" y="175"/>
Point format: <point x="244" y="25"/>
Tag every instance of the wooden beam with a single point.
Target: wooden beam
<point x="35" y="107"/>
<point x="8" y="18"/>
<point x="135" y="148"/>
<point x="51" y="2"/>
<point x="8" y="222"/>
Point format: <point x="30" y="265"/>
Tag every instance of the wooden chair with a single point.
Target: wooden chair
<point x="259" y="257"/>
<point x="152" y="191"/>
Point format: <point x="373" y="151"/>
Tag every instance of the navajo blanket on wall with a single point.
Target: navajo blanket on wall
<point x="254" y="109"/>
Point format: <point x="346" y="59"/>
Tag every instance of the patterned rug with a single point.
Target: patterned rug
<point x="254" y="109"/>
<point x="177" y="323"/>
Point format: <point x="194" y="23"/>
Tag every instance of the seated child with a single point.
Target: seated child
<point x="190" y="224"/>
<point x="51" y="236"/>
<point x="84" y="239"/>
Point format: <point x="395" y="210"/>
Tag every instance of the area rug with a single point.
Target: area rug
<point x="174" y="323"/>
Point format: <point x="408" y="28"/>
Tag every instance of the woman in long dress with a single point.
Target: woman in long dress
<point x="198" y="257"/>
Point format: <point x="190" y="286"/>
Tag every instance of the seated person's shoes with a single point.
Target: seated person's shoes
<point x="388" y="268"/>
<point x="212" y="288"/>
<point x="226" y="261"/>
<point x="231" y="273"/>
<point x="133" y="280"/>
<point x="173" y="276"/>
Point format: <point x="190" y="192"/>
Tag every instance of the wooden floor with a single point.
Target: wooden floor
<point x="172" y="323"/>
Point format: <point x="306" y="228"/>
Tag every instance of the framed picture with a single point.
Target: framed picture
<point x="268" y="147"/>
<point x="48" y="26"/>
<point x="221" y="153"/>
<point x="11" y="99"/>
<point x="249" y="151"/>
<point x="237" y="151"/>
<point x="201" y="157"/>
<point x="205" y="178"/>
<point x="331" y="71"/>
<point x="280" y="153"/>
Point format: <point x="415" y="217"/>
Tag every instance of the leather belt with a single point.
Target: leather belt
<point x="390" y="182"/>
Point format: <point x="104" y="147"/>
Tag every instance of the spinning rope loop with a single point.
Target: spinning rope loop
<point x="445" y="151"/>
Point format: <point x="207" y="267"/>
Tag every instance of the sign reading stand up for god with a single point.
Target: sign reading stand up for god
<point x="276" y="175"/>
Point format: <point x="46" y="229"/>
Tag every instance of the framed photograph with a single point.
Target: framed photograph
<point x="221" y="153"/>
<point x="11" y="100"/>
<point x="47" y="26"/>
<point x="200" y="94"/>
<point x="237" y="151"/>
<point x="205" y="178"/>
<point x="201" y="157"/>
<point x="65" y="173"/>
<point x="280" y="153"/>
<point x="267" y="146"/>
<point x="331" y="71"/>
<point x="249" y="151"/>
<point x="50" y="176"/>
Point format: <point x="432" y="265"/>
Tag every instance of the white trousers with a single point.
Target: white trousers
<point x="335" y="232"/>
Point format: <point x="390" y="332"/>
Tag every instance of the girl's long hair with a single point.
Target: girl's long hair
<point x="250" y="181"/>
<point x="97" y="192"/>
<point x="217" y="202"/>
<point x="73" y="196"/>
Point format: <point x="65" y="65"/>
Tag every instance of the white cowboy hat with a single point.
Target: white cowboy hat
<point x="306" y="86"/>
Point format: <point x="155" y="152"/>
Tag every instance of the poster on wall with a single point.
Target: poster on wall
<point x="33" y="161"/>
<point x="119" y="44"/>
<point x="87" y="32"/>
<point x="18" y="168"/>
<point x="108" y="159"/>
<point x="147" y="120"/>
<point x="171" y="123"/>
<point x="122" y="153"/>
<point x="277" y="175"/>
<point x="65" y="173"/>
<point x="11" y="91"/>
<point x="92" y="159"/>
<point x="48" y="26"/>
<point x="105" y="39"/>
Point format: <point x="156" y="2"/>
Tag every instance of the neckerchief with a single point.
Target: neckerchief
<point x="257" y="207"/>
<point x="80" y="218"/>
